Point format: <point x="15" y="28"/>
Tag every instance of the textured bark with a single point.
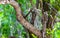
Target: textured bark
<point x="30" y="27"/>
<point x="44" y="19"/>
<point x="26" y="24"/>
<point x="46" y="9"/>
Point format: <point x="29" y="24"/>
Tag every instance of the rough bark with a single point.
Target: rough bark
<point x="44" y="19"/>
<point x="45" y="9"/>
<point x="26" y="24"/>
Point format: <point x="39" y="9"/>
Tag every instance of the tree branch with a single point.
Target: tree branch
<point x="26" y="24"/>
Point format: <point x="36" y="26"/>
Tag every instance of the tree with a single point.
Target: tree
<point x="48" y="17"/>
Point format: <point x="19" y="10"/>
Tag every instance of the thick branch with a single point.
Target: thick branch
<point x="26" y="24"/>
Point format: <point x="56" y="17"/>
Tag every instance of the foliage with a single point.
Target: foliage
<point x="9" y="26"/>
<point x="56" y="31"/>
